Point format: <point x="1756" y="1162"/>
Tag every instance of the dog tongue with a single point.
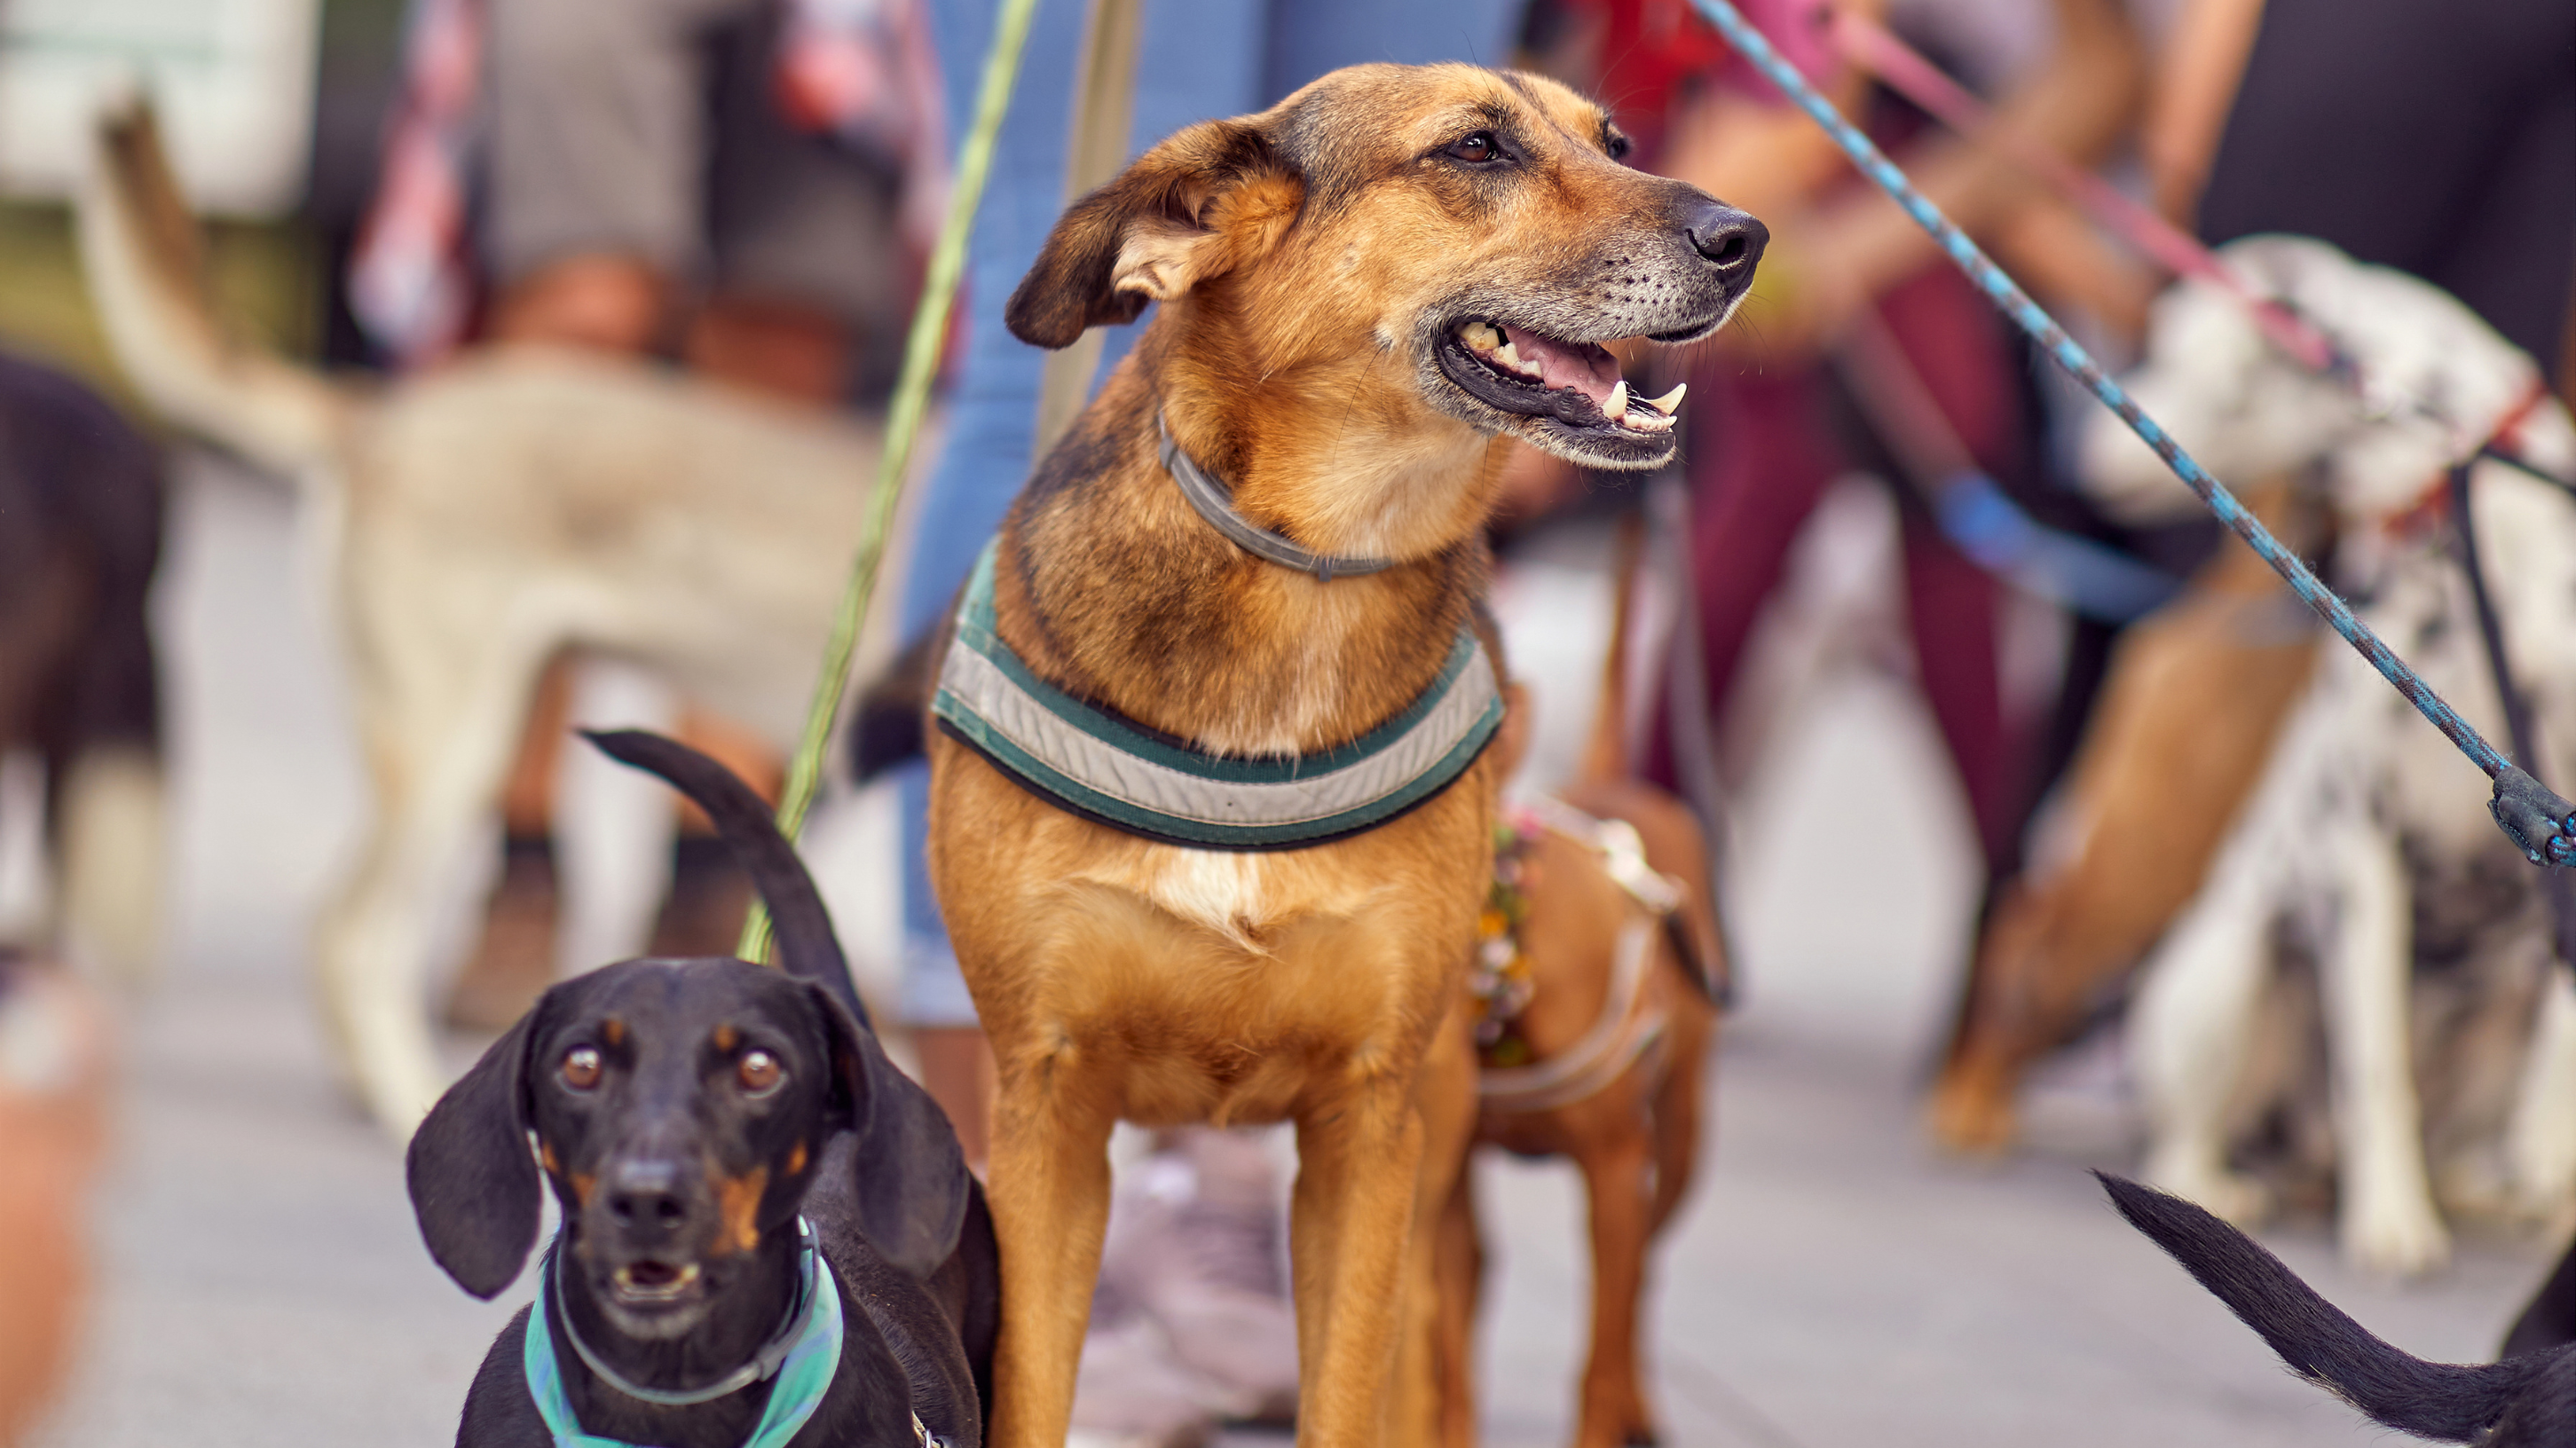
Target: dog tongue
<point x="1587" y="369"/>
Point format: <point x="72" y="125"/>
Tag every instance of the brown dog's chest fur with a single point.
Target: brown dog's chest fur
<point x="1230" y="986"/>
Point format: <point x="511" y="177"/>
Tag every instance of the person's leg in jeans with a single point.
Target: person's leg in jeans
<point x="992" y="414"/>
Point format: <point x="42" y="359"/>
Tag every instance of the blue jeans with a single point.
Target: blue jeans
<point x="1198" y="59"/>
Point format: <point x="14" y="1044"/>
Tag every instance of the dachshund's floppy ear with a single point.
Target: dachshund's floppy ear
<point x="1204" y="202"/>
<point x="912" y="1184"/>
<point x="474" y="1183"/>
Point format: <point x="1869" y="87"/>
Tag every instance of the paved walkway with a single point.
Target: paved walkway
<point x="1833" y="1286"/>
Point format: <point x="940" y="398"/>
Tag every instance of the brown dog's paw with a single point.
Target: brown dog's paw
<point x="1971" y="1116"/>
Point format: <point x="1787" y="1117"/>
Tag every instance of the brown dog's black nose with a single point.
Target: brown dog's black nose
<point x="645" y="1196"/>
<point x="1727" y="237"/>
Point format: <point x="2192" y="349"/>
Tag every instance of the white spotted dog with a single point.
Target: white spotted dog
<point x="2367" y="843"/>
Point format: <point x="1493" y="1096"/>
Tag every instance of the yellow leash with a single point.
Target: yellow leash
<point x="903" y="428"/>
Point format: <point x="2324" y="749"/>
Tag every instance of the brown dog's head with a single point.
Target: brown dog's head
<point x="1406" y="249"/>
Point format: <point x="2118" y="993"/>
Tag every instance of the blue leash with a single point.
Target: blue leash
<point x="2539" y="821"/>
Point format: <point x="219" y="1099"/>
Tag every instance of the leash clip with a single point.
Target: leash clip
<point x="2539" y="821"/>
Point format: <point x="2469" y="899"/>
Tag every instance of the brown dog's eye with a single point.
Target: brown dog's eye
<point x="758" y="1071"/>
<point x="1475" y="148"/>
<point x="1620" y="146"/>
<point x="581" y="1068"/>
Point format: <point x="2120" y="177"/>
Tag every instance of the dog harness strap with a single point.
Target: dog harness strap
<point x="801" y="1374"/>
<point x="1215" y="503"/>
<point x="1616" y="1039"/>
<point x="1108" y="768"/>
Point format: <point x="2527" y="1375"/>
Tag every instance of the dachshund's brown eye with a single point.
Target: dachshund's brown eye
<point x="581" y="1068"/>
<point x="758" y="1071"/>
<point x="1620" y="146"/>
<point x="1478" y="147"/>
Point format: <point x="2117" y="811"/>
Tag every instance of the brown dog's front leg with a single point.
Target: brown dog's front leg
<point x="1615" y="1188"/>
<point x="1350" y="1222"/>
<point x="1050" y="1201"/>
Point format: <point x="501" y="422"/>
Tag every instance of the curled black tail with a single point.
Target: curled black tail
<point x="806" y="945"/>
<point x="2444" y="1401"/>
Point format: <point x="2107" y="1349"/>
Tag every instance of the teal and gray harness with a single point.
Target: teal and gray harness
<point x="800" y="1360"/>
<point x="1101" y="765"/>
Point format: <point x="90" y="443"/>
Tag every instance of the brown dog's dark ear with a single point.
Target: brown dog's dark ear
<point x="912" y="1184"/>
<point x="473" y="1180"/>
<point x="1196" y="206"/>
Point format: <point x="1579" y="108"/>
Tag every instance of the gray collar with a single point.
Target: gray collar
<point x="1215" y="502"/>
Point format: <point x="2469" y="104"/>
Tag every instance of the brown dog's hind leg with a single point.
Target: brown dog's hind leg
<point x="1458" y="1268"/>
<point x="1050" y="1204"/>
<point x="1435" y="1399"/>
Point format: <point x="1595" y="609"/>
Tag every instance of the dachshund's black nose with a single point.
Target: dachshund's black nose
<point x="644" y="1196"/>
<point x="1727" y="237"/>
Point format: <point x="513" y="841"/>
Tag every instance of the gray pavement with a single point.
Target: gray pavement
<point x="1833" y="1285"/>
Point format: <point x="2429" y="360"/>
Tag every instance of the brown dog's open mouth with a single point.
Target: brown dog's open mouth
<point x="1572" y="388"/>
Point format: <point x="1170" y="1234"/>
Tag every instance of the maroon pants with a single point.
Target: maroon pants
<point x="1763" y="446"/>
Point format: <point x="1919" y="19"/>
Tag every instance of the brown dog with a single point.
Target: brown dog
<point x="1361" y="289"/>
<point x="2186" y="722"/>
<point x="1603" y="1061"/>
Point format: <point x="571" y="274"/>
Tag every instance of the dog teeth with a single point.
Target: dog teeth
<point x="1510" y="357"/>
<point x="1617" y="407"/>
<point x="1481" y="336"/>
<point x="1670" y="402"/>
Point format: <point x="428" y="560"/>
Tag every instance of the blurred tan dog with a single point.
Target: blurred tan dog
<point x="1596" y="1038"/>
<point x="53" y="1108"/>
<point x="2195" y="697"/>
<point x="474" y="521"/>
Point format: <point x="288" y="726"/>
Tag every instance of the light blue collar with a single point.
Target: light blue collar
<point x="803" y="1372"/>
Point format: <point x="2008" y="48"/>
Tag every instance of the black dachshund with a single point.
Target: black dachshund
<point x="770" y="1237"/>
<point x="2522" y="1402"/>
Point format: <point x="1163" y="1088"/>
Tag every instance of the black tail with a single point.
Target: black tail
<point x="806" y="945"/>
<point x="2443" y="1401"/>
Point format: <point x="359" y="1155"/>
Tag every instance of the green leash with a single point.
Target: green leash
<point x="903" y="428"/>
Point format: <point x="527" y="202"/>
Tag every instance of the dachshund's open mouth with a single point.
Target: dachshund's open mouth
<point x="1572" y="390"/>
<point x="646" y="1282"/>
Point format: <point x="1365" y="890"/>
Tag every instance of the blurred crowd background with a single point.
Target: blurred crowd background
<point x="1873" y="588"/>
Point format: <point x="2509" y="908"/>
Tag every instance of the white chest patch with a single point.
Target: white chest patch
<point x="1228" y="892"/>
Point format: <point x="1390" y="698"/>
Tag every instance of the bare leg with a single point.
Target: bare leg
<point x="957" y="1071"/>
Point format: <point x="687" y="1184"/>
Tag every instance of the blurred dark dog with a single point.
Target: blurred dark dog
<point x="2523" y="1402"/>
<point x="763" y="1217"/>
<point x="80" y="535"/>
